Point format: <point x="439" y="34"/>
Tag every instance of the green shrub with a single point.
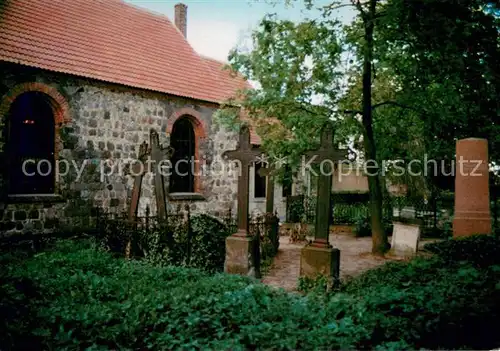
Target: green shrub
<point x="349" y="213"/>
<point x="319" y="284"/>
<point x="447" y="230"/>
<point x="341" y="213"/>
<point x="430" y="304"/>
<point x="171" y="243"/>
<point x="269" y="237"/>
<point x="209" y="243"/>
<point x="295" y="209"/>
<point x="88" y="299"/>
<point x="480" y="250"/>
<point x="75" y="297"/>
<point x="203" y="248"/>
<point x="362" y="227"/>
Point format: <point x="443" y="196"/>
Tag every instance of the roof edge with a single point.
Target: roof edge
<point x="13" y="62"/>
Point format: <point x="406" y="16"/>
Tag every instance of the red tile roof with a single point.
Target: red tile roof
<point x="272" y="127"/>
<point x="111" y="41"/>
<point x="231" y="85"/>
<point x="254" y="137"/>
<point x="230" y="82"/>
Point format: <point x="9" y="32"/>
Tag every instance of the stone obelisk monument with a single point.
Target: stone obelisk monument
<point x="472" y="196"/>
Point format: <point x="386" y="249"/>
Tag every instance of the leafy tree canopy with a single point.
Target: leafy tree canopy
<point x="297" y="67"/>
<point x="436" y="69"/>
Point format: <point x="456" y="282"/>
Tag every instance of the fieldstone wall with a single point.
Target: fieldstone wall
<point x="107" y="125"/>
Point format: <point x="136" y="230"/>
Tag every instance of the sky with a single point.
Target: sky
<point x="214" y="27"/>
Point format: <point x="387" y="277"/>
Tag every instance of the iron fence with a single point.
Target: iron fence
<point x="265" y="226"/>
<point x="353" y="208"/>
<point x="133" y="237"/>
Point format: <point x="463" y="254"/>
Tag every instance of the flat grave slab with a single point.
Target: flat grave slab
<point x="405" y="237"/>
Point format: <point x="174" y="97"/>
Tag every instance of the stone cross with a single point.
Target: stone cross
<point x="325" y="155"/>
<point x="268" y="172"/>
<point x="159" y="154"/>
<point x="246" y="155"/>
<point x="139" y="172"/>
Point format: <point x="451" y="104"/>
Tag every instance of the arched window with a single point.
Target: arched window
<point x="182" y="139"/>
<point x="31" y="145"/>
<point x="259" y="181"/>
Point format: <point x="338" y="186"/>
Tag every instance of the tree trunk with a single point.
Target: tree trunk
<point x="379" y="238"/>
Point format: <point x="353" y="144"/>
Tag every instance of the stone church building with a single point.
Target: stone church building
<point x="82" y="84"/>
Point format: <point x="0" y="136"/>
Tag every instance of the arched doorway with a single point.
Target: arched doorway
<point x="31" y="145"/>
<point x="182" y="139"/>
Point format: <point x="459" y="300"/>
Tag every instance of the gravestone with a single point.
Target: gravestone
<point x="139" y="170"/>
<point x="158" y="155"/>
<point x="241" y="248"/>
<point x="406" y="233"/>
<point x="320" y="257"/>
<point x="472" y="197"/>
<point x="405" y="237"/>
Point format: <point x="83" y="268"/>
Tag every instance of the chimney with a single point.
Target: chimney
<point x="181" y="18"/>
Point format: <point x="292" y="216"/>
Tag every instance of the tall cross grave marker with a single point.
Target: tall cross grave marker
<point x="158" y="155"/>
<point x="246" y="155"/>
<point x="320" y="257"/>
<point x="326" y="155"/>
<point x="241" y="249"/>
<point x="139" y="171"/>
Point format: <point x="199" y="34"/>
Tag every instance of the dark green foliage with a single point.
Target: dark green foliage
<point x="454" y="295"/>
<point x="349" y="197"/>
<point x="204" y="247"/>
<point x="81" y="298"/>
<point x="75" y="297"/>
<point x="269" y="236"/>
<point x="362" y="226"/>
<point x="114" y="234"/>
<point x="480" y="250"/>
<point x="201" y="244"/>
<point x="267" y="227"/>
<point x="318" y="285"/>
<point x="449" y="301"/>
<point x="171" y="243"/>
<point x="208" y="243"/>
<point x="295" y="209"/>
<point x="430" y="304"/>
<point x="347" y="208"/>
<point x="447" y="63"/>
<point x="348" y="213"/>
<point x="300" y="208"/>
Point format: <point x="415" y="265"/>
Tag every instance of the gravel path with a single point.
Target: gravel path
<point x="355" y="258"/>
